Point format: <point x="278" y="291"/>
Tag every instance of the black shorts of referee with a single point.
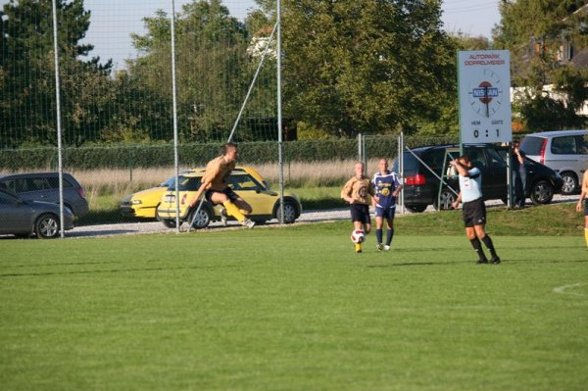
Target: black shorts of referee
<point x="231" y="195"/>
<point x="361" y="213"/>
<point x="474" y="213"/>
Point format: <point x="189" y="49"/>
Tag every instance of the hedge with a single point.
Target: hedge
<point x="162" y="155"/>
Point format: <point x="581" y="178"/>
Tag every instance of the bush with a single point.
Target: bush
<point x="191" y="155"/>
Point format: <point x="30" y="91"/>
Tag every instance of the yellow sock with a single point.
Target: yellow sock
<point x="586" y="236"/>
<point x="232" y="210"/>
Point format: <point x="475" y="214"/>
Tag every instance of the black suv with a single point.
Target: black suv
<point x="421" y="186"/>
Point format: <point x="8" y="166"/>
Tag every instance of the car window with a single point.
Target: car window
<point x="187" y="184"/>
<point x="582" y="144"/>
<point x="38" y="184"/>
<point x="532" y="145"/>
<point x="53" y="182"/>
<point x="169" y="182"/>
<point x="565" y="145"/>
<point x="494" y="157"/>
<point x="411" y="164"/>
<point x="476" y="157"/>
<point x="434" y="159"/>
<point x="242" y="182"/>
<point x="10" y="184"/>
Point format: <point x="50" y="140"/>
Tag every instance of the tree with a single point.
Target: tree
<point x="27" y="74"/>
<point x="213" y="68"/>
<point x="536" y="32"/>
<point x="368" y="66"/>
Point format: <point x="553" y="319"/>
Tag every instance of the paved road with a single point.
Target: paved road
<point x="157" y="227"/>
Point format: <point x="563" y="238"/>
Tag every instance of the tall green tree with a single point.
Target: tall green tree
<point x="27" y="73"/>
<point x="213" y="67"/>
<point x="538" y="34"/>
<point x="367" y="66"/>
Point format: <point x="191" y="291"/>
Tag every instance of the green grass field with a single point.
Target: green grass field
<point x="296" y="309"/>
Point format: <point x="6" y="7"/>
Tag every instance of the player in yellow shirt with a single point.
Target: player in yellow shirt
<point x="583" y="204"/>
<point x="357" y="192"/>
<point x="215" y="187"/>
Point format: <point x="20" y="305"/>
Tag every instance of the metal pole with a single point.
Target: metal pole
<point x="175" y="112"/>
<point x="279" y="108"/>
<point x="401" y="168"/>
<point x="263" y="56"/>
<point x="58" y="109"/>
<point x="509" y="177"/>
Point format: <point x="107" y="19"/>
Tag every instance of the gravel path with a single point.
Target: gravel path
<point x="103" y="230"/>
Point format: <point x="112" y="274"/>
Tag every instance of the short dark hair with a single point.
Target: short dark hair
<point x="225" y="148"/>
<point x="464" y="158"/>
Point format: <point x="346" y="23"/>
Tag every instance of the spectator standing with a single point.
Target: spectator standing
<point x="519" y="175"/>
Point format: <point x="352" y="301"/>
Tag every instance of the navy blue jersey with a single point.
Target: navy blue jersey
<point x="385" y="184"/>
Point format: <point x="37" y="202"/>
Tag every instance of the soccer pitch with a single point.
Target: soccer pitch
<point x="292" y="309"/>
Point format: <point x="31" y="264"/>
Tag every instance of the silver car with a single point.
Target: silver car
<point x="564" y="151"/>
<point x="25" y="218"/>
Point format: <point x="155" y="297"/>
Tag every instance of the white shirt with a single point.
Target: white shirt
<point x="471" y="185"/>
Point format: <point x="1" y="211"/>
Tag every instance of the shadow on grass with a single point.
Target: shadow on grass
<point x="112" y="216"/>
<point x="135" y="270"/>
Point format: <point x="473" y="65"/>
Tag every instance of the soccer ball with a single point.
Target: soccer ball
<point x="357" y="236"/>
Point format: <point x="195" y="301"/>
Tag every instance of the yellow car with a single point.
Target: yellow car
<point x="144" y="203"/>
<point x="245" y="181"/>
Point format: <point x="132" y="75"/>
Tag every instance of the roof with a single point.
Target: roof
<point x="552" y="133"/>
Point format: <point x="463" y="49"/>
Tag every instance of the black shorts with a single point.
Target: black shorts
<point x="361" y="213"/>
<point x="586" y="207"/>
<point x="474" y="213"/>
<point x="231" y="195"/>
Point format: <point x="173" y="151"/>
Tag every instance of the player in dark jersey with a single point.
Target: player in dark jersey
<point x="387" y="185"/>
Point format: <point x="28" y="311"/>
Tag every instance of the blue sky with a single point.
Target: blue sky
<point x="114" y="20"/>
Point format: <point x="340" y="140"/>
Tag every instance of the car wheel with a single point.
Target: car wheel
<point x="169" y="223"/>
<point x="445" y="201"/>
<point x="570" y="183"/>
<point x="202" y="219"/>
<point x="541" y="192"/>
<point x="416" y="208"/>
<point x="289" y="212"/>
<point x="47" y="226"/>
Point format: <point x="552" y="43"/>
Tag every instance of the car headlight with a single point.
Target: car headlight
<point x="136" y="202"/>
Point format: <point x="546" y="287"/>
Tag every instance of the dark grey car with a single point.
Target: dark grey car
<point x="44" y="186"/>
<point x="24" y="218"/>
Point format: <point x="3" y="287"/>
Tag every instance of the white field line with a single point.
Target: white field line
<point x="564" y="290"/>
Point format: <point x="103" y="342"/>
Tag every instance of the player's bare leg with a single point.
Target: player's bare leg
<point x="233" y="209"/>
<point x="473" y="238"/>
<point x="479" y="232"/>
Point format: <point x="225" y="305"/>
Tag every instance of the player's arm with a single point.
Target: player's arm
<point x="399" y="186"/>
<point x="346" y="192"/>
<point x="457" y="201"/>
<point x="462" y="170"/>
<point x="203" y="187"/>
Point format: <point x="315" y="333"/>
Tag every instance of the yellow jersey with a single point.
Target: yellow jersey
<point x="359" y="189"/>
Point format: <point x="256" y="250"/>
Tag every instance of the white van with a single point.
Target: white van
<point x="564" y="151"/>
